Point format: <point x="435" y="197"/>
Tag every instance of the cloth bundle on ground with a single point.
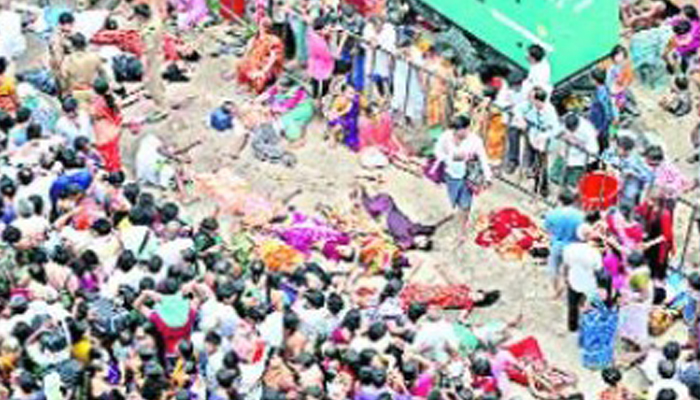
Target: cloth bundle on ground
<point x="279" y="256"/>
<point x="532" y="362"/>
<point x="130" y="41"/>
<point x="267" y="145"/>
<point x="305" y="233"/>
<point x="127" y="68"/>
<point x="453" y="296"/>
<point x="509" y="231"/>
<point x="234" y="197"/>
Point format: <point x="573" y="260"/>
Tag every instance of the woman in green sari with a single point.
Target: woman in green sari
<point x="295" y="108"/>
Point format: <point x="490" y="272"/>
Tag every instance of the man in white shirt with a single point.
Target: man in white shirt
<point x="12" y="40"/>
<point x="540" y="121"/>
<point x="74" y="123"/>
<point x="386" y="42"/>
<point x="540" y="74"/>
<point x="581" y="261"/>
<point x="456" y="148"/>
<point x="579" y="143"/>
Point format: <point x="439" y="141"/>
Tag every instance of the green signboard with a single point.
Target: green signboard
<point x="575" y="33"/>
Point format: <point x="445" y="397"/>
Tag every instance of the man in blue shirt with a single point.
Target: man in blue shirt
<point x="562" y="224"/>
<point x="634" y="172"/>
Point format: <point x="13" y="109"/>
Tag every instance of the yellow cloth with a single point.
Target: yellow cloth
<point x="81" y="350"/>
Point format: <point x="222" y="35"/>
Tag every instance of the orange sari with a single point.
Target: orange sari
<point x="437" y="94"/>
<point x="8" y="95"/>
<point x="264" y="46"/>
<point x="107" y="124"/>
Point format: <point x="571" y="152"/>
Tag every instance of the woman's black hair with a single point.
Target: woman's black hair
<point x="66" y="18"/>
<point x="599" y="76"/>
<point x="682" y="27"/>
<point x="672" y="351"/>
<point x="617" y="50"/>
<point x="416" y="311"/>
<point x="481" y="367"/>
<point x="143" y="10"/>
<point x="102" y="226"/>
<point x="377" y="331"/>
<point x="69" y="104"/>
<point x="27" y="382"/>
<point x="34" y="131"/>
<point x="460" y="122"/>
<point x="536" y="52"/>
<point x="7" y="187"/>
<point x="690" y="12"/>
<point x="291" y="321"/>
<point x="170" y="286"/>
<point x="6" y="122"/>
<point x="90" y="258"/>
<point x="11" y="235"/>
<point x="378" y="377"/>
<point x="352" y="320"/>
<point x="131" y="192"/>
<point x="654" y="153"/>
<point x="22" y="331"/>
<point x="126" y="261"/>
<point x="315" y="298"/>
<point x="611" y="376"/>
<point x="23" y="115"/>
<point x="231" y="360"/>
<point x="25" y="176"/>
<point x="139" y="216"/>
<point x="147" y="283"/>
<point x="101" y="87"/>
<point x="335" y="303"/>
<point x="78" y="41"/>
<point x="169" y="212"/>
<point x="226" y="377"/>
<point x="116" y="178"/>
<point x="365" y="375"/>
<point x="3" y="65"/>
<point x="681" y="82"/>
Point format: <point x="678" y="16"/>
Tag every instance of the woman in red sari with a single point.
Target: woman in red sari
<point x="107" y="125"/>
<point x="263" y="61"/>
<point x="658" y="239"/>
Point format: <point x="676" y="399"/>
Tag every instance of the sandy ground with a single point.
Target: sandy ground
<point x="326" y="174"/>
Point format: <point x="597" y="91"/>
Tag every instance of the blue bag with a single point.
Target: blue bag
<point x="221" y="120"/>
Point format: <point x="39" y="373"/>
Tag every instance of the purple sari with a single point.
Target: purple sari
<point x="304" y="232"/>
<point x="400" y="227"/>
<point x="350" y="124"/>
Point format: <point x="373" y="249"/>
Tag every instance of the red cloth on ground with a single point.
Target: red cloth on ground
<point x="501" y="225"/>
<point x="129" y="40"/>
<point x="173" y="336"/>
<point x="445" y="296"/>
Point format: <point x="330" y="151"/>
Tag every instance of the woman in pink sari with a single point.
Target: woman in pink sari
<point x="190" y="13"/>
<point x="321" y="61"/>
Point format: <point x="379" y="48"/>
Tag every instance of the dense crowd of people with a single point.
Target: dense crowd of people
<point x="110" y="290"/>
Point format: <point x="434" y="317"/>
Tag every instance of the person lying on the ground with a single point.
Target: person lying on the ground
<point x="295" y="108"/>
<point x="407" y="234"/>
<point x="678" y="101"/>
